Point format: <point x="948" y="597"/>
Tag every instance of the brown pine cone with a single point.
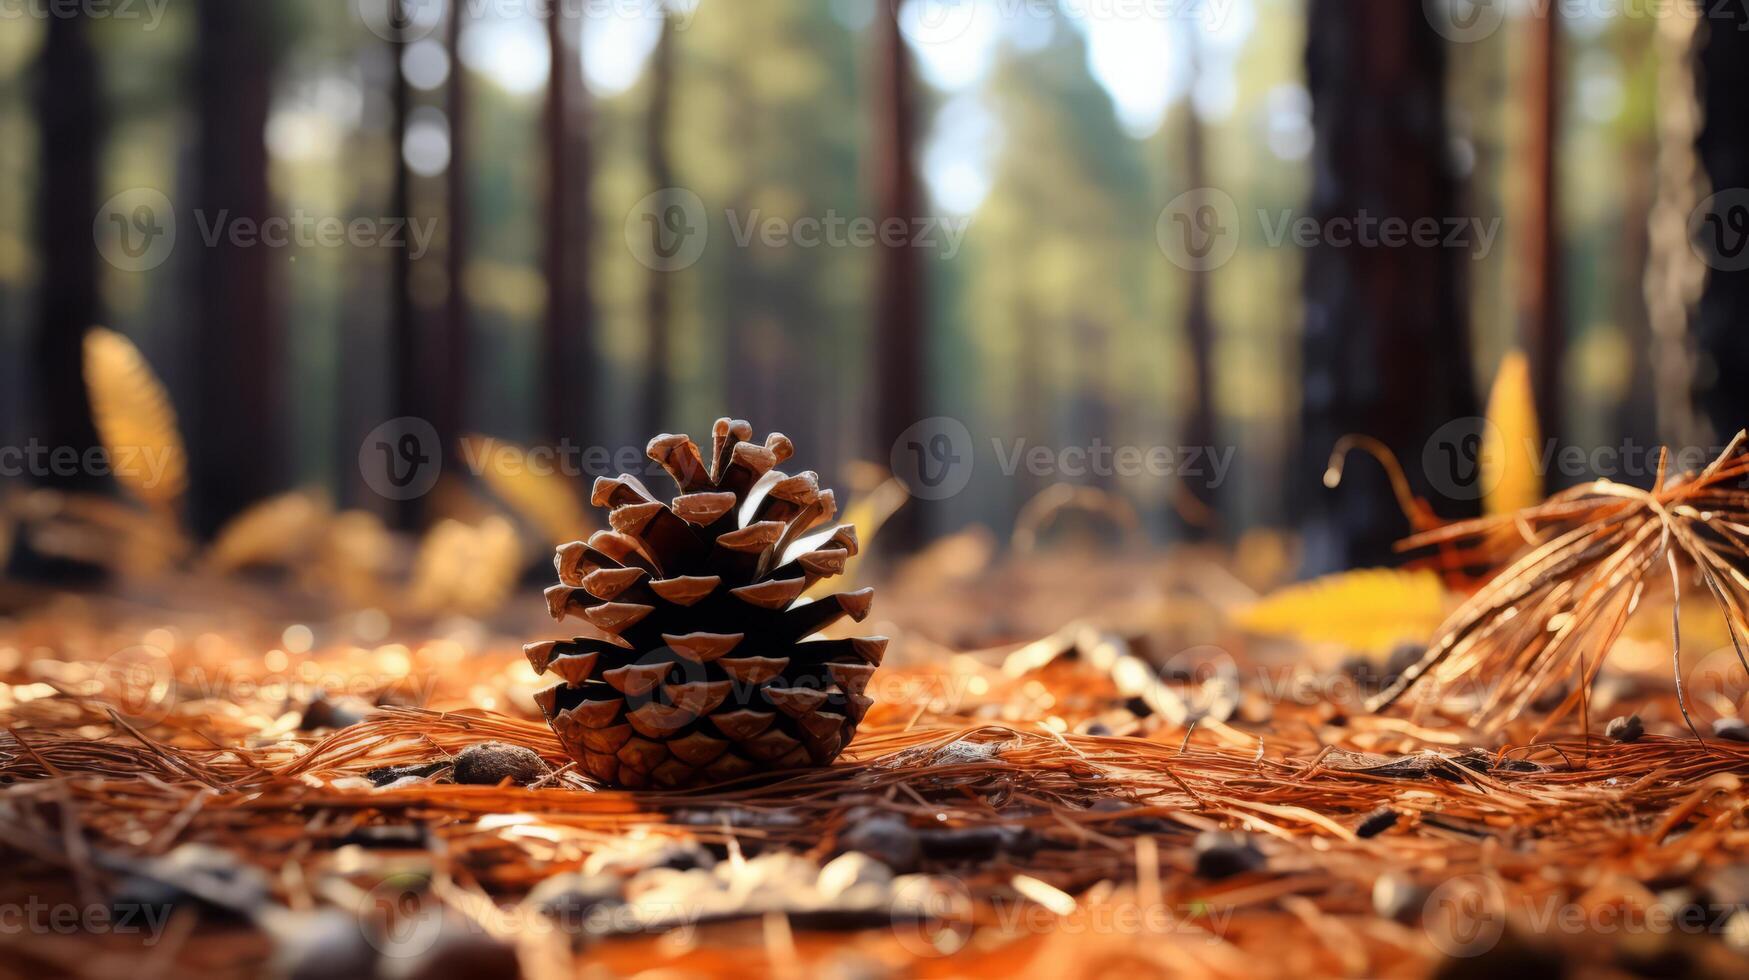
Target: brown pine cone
<point x="699" y="669"/>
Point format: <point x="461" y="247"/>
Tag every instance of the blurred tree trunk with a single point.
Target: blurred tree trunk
<point x="450" y="360"/>
<point x="570" y="313"/>
<point x="1721" y="323"/>
<point x="69" y="111"/>
<point x="407" y="391"/>
<point x="657" y="299"/>
<point x="899" y="305"/>
<point x="1385" y="352"/>
<point x="236" y="451"/>
<point x="1199" y="324"/>
<point x="1541" y="315"/>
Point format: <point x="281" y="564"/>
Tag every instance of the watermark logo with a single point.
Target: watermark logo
<point x="135" y="230"/>
<point x="1465" y="916"/>
<point x="138" y="681"/>
<point x="401" y="21"/>
<point x="150" y="11"/>
<point x="1719" y="681"/>
<point x="932" y="916"/>
<point x="408" y="921"/>
<point x="402" y="458"/>
<point x="1465" y="21"/>
<point x="930" y="22"/>
<point x="667" y="231"/>
<point x="933" y="458"/>
<point x="1461" y="458"/>
<point x="1199" y="229"/>
<point x="1718" y="230"/>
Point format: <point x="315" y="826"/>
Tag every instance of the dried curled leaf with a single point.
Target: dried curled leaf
<point x="465" y="568"/>
<point x="1370" y="609"/>
<point x="277" y="531"/>
<point x="543" y="497"/>
<point x="1510" y="475"/>
<point x="134" y="419"/>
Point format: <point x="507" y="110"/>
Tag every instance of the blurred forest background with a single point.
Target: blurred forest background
<point x="1059" y="133"/>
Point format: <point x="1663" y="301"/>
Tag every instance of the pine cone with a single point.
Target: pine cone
<point x="697" y="671"/>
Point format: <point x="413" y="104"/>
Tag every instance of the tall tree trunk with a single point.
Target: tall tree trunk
<point x="1540" y="308"/>
<point x="1385" y="349"/>
<point x="236" y="453"/>
<point x="408" y="391"/>
<point x="1199" y="324"/>
<point x="69" y="111"/>
<point x="570" y="312"/>
<point x="1721" y="323"/>
<point x="899" y="301"/>
<point x="450" y="370"/>
<point x="657" y="299"/>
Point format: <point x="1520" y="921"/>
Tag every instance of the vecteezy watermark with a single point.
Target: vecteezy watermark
<point x="1201" y="229"/>
<point x="933" y="458"/>
<point x="1718" y="230"/>
<point x="1206" y="464"/>
<point x="669" y="229"/>
<point x="1466" y="458"/>
<point x="930" y="22"/>
<point x="142" y="465"/>
<point x="1467" y="916"/>
<point x="149" y="11"/>
<point x="136" y="231"/>
<point x="1468" y="21"/>
<point x="402" y="458"/>
<point x="936" y="457"/>
<point x="406" y="21"/>
<point x="35" y="917"/>
<point x="143" y="684"/>
<point x="303" y="230"/>
<point x="935" y="916"/>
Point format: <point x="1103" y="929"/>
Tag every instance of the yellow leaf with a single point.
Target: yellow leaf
<point x="134" y="419"/>
<point x="867" y="515"/>
<point x="276" y="531"/>
<point x="540" y="495"/>
<point x="1511" y="480"/>
<point x="1372" y="609"/>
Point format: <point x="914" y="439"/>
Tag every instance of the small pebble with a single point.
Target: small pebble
<point x="491" y="763"/>
<point x="1731" y="730"/>
<point x="1376" y="822"/>
<point x="575" y="903"/>
<point x="1222" y="855"/>
<point x="327" y="712"/>
<point x="887" y="838"/>
<point x="1397" y="897"/>
<point x="1627" y="728"/>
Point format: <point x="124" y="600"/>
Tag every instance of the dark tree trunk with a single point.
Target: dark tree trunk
<point x="1540" y="308"/>
<point x="570" y="313"/>
<point x="1386" y="352"/>
<point x="1199" y="324"/>
<point x="1721" y="324"/>
<point x="450" y="348"/>
<point x="69" y="112"/>
<point x="899" y="301"/>
<point x="407" y="393"/>
<point x="657" y="299"/>
<point x="236" y="445"/>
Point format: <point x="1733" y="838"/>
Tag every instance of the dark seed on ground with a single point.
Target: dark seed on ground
<point x="1377" y="822"/>
<point x="1627" y="728"/>
<point x="1222" y="855"/>
<point x="491" y="763"/>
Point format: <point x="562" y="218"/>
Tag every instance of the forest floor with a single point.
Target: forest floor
<point x="176" y="803"/>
